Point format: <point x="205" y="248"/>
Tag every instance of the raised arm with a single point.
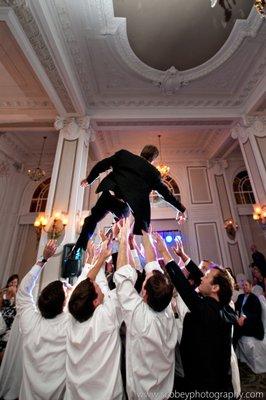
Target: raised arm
<point x="188" y="294"/>
<point x="125" y="276"/>
<point x="25" y="302"/>
<point x="192" y="268"/>
<point x="163" y="190"/>
<point x="100" y="167"/>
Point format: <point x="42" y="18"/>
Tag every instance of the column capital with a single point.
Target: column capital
<point x="217" y="165"/>
<point x="254" y="126"/>
<point x="72" y="127"/>
<point x="240" y="132"/>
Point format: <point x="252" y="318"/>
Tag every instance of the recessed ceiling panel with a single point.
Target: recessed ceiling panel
<point x="179" y="33"/>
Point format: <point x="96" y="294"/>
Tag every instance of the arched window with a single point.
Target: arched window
<point x="40" y="196"/>
<point x="242" y="189"/>
<point x="156" y="199"/>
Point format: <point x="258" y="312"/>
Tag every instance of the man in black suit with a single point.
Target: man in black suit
<point x="206" y="339"/>
<point x="249" y="311"/>
<point x="258" y="259"/>
<point x="127" y="187"/>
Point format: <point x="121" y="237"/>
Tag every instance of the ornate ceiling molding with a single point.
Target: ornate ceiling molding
<point x="31" y="30"/>
<point x="242" y="29"/>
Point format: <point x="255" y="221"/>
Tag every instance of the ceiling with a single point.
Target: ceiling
<point x="110" y="60"/>
<point x="184" y="33"/>
<point x="22" y="97"/>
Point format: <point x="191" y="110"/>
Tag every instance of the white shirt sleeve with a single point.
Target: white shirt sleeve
<point x="100" y="279"/>
<point x="125" y="279"/>
<point x="186" y="262"/>
<point x="153" y="265"/>
<point x="26" y="307"/>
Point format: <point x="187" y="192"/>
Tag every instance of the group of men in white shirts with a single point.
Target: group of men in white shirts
<point x="72" y="346"/>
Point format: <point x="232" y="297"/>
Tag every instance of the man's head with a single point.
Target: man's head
<point x="217" y="283"/>
<point x="51" y="300"/>
<point x="149" y="152"/>
<point x="205" y="265"/>
<point x="247" y="286"/>
<point x="85" y="298"/>
<point x="157" y="290"/>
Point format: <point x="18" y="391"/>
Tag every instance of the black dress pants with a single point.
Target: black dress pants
<point x="106" y="203"/>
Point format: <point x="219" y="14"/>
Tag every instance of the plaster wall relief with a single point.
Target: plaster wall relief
<point x="251" y="137"/>
<point x="199" y="185"/>
<point x="206" y="233"/>
<point x="231" y="231"/>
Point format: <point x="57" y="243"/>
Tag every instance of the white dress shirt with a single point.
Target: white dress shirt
<point x="94" y="350"/>
<point x="150" y="341"/>
<point x="44" y="346"/>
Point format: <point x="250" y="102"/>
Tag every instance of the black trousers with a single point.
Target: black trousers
<point x="106" y="203"/>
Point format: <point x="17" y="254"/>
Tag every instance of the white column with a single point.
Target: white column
<point x="66" y="194"/>
<point x="252" y="140"/>
<point x="234" y="249"/>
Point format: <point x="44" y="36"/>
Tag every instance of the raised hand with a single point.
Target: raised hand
<point x="106" y="249"/>
<point x="49" y="249"/>
<point x="178" y="249"/>
<point x="181" y="218"/>
<point x="159" y="243"/>
<point x="162" y="248"/>
<point x="125" y="228"/>
<point x="84" y="183"/>
<point x="90" y="252"/>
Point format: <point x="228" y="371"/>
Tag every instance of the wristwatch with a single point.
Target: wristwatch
<point x="42" y="260"/>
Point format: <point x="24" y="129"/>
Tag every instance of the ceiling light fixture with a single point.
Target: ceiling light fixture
<point x="226" y="5"/>
<point x="37" y="174"/>
<point x="260" y="6"/>
<point x="162" y="168"/>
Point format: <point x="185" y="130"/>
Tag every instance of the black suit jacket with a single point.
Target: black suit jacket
<point x="252" y="309"/>
<point x="206" y="340"/>
<point x="133" y="178"/>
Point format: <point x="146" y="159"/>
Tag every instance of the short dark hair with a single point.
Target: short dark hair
<point x="51" y="300"/>
<point x="149" y="152"/>
<point x="223" y="279"/>
<point x="81" y="305"/>
<point x="11" y="278"/>
<point x="159" y="291"/>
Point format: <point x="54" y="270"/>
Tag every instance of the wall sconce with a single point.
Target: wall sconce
<point x="53" y="226"/>
<point x="259" y="215"/>
<point x="231" y="227"/>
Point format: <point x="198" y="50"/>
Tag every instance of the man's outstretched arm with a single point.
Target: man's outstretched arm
<point x="100" y="167"/>
<point x="163" y="190"/>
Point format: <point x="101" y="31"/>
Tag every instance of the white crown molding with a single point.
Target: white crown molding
<point x="26" y="104"/>
<point x="28" y="36"/>
<point x="242" y="29"/>
<point x="44" y="13"/>
<point x="8" y="15"/>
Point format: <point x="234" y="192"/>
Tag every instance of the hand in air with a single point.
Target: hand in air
<point x="181" y="218"/>
<point x="90" y="252"/>
<point x="178" y="249"/>
<point x="159" y="243"/>
<point x="49" y="249"/>
<point x="84" y="183"/>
